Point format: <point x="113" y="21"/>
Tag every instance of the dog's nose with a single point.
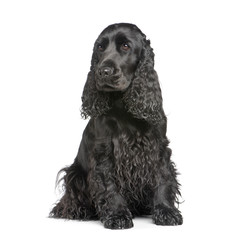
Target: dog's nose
<point x="105" y="71"/>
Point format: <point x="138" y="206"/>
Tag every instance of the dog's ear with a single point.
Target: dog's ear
<point x="94" y="102"/>
<point x="143" y="99"/>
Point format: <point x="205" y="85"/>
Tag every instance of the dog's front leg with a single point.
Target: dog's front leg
<point x="110" y="205"/>
<point x="165" y="212"/>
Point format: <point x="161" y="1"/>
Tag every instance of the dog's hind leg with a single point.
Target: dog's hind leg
<point x="75" y="203"/>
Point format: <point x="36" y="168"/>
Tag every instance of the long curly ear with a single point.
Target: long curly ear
<point x="94" y="103"/>
<point x="143" y="99"/>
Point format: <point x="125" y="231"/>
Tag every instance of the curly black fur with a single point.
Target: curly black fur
<point x="123" y="165"/>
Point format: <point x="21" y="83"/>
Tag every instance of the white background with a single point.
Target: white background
<point x="45" y="53"/>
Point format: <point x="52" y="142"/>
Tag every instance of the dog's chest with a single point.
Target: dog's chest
<point x="136" y="160"/>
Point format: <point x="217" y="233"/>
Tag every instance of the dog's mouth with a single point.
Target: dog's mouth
<point x="109" y="88"/>
<point x="111" y="84"/>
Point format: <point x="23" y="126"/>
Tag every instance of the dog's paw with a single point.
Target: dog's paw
<point x="167" y="216"/>
<point x="118" y="222"/>
<point x="72" y="212"/>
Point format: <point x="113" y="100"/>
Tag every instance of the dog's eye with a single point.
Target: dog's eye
<point x="125" y="46"/>
<point x="100" y="47"/>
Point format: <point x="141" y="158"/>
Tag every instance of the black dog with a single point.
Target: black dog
<point x="123" y="167"/>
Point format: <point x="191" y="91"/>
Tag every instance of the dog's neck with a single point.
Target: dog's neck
<point x="119" y="104"/>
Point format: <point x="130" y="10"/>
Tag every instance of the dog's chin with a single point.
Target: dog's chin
<point x="107" y="88"/>
<point x="113" y="86"/>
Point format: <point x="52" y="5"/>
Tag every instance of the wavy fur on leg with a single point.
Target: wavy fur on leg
<point x="74" y="204"/>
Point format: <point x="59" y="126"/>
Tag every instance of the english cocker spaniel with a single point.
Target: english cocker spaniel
<point x="123" y="167"/>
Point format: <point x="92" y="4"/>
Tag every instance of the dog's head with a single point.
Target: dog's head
<point x="123" y="61"/>
<point x="117" y="52"/>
